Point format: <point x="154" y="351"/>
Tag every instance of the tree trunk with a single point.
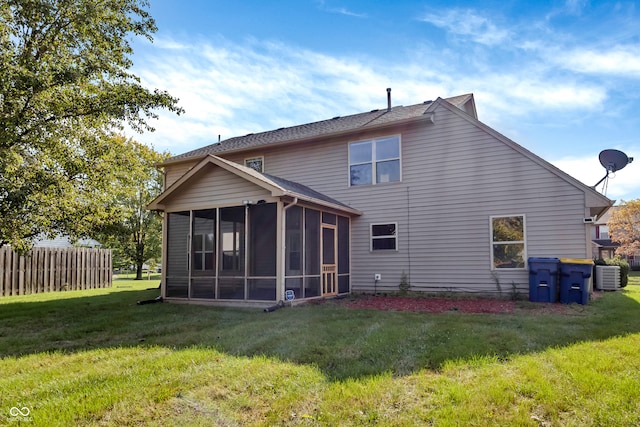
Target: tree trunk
<point x="139" y="270"/>
<point x="139" y="259"/>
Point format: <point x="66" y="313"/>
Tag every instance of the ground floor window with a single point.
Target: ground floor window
<point x="384" y="236"/>
<point x="508" y="242"/>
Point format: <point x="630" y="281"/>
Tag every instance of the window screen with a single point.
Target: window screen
<point x="293" y="242"/>
<point x="262" y="238"/>
<point x="203" y="243"/>
<point x="343" y="245"/>
<point x="177" y="276"/>
<point x="232" y="243"/>
<point x="312" y="242"/>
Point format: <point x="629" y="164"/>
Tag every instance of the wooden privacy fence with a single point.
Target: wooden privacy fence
<point x="53" y="269"/>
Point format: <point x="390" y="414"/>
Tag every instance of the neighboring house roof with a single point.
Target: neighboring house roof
<point x="65" y="242"/>
<point x="336" y="125"/>
<point x="277" y="186"/>
<point x="606" y="243"/>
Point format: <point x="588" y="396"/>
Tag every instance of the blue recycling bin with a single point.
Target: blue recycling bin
<point x="574" y="280"/>
<point x="543" y="279"/>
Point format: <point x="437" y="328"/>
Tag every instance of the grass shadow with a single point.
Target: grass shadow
<point x="341" y="342"/>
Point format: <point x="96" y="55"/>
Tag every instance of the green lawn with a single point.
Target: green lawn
<point x="97" y="358"/>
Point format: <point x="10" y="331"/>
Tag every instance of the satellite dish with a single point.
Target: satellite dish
<point x="612" y="161"/>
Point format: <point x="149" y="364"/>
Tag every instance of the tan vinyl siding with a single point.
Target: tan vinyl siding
<point x="214" y="187"/>
<point x="174" y="172"/>
<point x="455" y="175"/>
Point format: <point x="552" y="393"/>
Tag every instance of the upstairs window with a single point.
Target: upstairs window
<point x="255" y="163"/>
<point x="374" y="161"/>
<point x="603" y="232"/>
<point x="508" y="249"/>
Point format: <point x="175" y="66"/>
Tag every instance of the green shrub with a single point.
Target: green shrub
<point x="404" y="283"/>
<point x="622" y="263"/>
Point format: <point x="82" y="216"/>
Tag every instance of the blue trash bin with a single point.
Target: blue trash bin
<point x="543" y="279"/>
<point x="574" y="280"/>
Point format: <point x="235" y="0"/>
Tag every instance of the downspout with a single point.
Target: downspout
<point x="284" y="240"/>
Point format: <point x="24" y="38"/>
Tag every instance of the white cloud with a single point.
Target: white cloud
<point x="230" y="89"/>
<point x="619" y="60"/>
<point x="470" y="24"/>
<point x="339" y="10"/>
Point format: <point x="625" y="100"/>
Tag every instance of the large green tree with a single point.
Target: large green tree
<point x="136" y="237"/>
<point x="65" y="88"/>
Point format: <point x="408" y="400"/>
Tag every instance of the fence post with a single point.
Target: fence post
<point x="2" y="287"/>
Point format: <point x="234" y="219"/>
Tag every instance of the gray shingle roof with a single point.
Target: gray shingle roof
<point x="315" y="129"/>
<point x="303" y="190"/>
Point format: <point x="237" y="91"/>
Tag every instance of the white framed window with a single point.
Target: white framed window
<point x="508" y="242"/>
<point x="374" y="161"/>
<point x="384" y="237"/>
<point x="256" y="163"/>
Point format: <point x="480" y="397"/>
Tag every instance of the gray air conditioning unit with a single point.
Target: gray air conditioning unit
<point x="607" y="277"/>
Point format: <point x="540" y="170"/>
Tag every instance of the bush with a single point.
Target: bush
<point x="404" y="283"/>
<point x="624" y="268"/>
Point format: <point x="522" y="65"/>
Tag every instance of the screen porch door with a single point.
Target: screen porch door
<point x="329" y="260"/>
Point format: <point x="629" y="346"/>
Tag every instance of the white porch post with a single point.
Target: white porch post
<point x="280" y="250"/>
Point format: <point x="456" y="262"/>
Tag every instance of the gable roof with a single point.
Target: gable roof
<point x="277" y="186"/>
<point x="462" y="105"/>
<point x="334" y="126"/>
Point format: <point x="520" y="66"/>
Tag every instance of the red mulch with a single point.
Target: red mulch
<point x="463" y="305"/>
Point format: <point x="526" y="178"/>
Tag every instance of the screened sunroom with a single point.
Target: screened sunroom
<point x="279" y="240"/>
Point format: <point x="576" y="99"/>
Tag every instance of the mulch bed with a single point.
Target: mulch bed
<point x="463" y="305"/>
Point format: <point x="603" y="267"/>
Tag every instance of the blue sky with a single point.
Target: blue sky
<point x="560" y="78"/>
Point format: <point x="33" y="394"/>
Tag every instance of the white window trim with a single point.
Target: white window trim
<point x="374" y="160"/>
<point x="372" y="237"/>
<point x="261" y="158"/>
<point x="524" y="242"/>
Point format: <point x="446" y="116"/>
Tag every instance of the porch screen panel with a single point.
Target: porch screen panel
<point x="311" y="287"/>
<point x="231" y="288"/>
<point x="262" y="289"/>
<point x="295" y="285"/>
<point x="311" y="253"/>
<point x="293" y="239"/>
<point x="203" y="257"/>
<point x="203" y="243"/>
<point x="177" y="276"/>
<point x="232" y="250"/>
<point x="262" y="240"/>
<point x="231" y="240"/>
<point x="312" y="242"/>
<point x="343" y="255"/>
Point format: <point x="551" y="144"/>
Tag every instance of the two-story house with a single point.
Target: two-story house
<point x="355" y="203"/>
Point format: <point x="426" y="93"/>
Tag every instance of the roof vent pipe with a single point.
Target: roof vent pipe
<point x="388" y="99"/>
